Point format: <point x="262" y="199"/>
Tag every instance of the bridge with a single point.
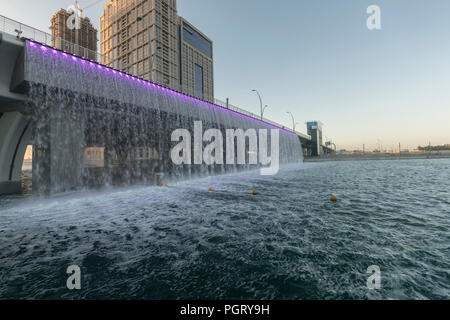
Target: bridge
<point x="16" y="123"/>
<point x="15" y="133"/>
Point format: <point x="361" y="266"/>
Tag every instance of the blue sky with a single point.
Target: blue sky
<point x="318" y="60"/>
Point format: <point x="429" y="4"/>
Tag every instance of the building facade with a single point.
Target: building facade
<point x="140" y="37"/>
<point x="315" y="131"/>
<point x="196" y="62"/>
<point x="81" y="40"/>
<point x="146" y="39"/>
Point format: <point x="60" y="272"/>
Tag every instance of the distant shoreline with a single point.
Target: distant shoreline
<point x="367" y="157"/>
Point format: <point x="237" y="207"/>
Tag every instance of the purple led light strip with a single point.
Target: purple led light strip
<point x="83" y="60"/>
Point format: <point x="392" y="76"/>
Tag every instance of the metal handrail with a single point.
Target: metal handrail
<point x="11" y="26"/>
<point x="250" y="114"/>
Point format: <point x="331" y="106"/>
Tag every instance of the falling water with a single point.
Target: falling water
<point x="95" y="126"/>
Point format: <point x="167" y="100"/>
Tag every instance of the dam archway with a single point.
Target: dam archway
<point x="15" y="136"/>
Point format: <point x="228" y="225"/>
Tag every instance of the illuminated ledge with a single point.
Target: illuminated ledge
<point x="21" y="83"/>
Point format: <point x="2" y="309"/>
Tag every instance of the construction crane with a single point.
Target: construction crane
<point x="77" y="6"/>
<point x="80" y="11"/>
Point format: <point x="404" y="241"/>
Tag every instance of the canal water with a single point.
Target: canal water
<point x="288" y="242"/>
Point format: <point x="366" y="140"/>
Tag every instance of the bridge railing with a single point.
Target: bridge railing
<point x="16" y="28"/>
<point x="253" y="115"/>
<point x="19" y="29"/>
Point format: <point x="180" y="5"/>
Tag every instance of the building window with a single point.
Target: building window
<point x="198" y="81"/>
<point x="196" y="40"/>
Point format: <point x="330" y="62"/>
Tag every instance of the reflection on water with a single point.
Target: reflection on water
<point x="290" y="242"/>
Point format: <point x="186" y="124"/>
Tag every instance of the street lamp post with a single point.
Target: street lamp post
<point x="293" y="120"/>
<point x="260" y="101"/>
<point x="262" y="114"/>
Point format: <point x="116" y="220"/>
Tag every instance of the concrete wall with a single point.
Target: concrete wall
<point x="10" y="50"/>
<point x="15" y="134"/>
<point x="15" y="130"/>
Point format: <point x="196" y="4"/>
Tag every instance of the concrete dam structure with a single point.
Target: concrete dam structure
<point x="93" y="126"/>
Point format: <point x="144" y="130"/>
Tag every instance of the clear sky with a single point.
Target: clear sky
<point x="318" y="60"/>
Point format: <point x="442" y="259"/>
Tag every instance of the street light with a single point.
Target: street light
<point x="293" y="120"/>
<point x="19" y="32"/>
<point x="260" y="100"/>
<point x="262" y="114"/>
<point x="151" y="58"/>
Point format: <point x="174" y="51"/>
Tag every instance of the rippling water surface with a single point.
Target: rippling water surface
<point x="290" y="242"/>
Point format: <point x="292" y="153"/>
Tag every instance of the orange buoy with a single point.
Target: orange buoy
<point x="166" y="185"/>
<point x="255" y="192"/>
<point x="334" y="198"/>
<point x="211" y="189"/>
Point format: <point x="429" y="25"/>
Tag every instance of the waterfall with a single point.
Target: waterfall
<point x="95" y="126"/>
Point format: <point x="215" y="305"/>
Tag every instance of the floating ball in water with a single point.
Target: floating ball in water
<point x="211" y="189"/>
<point x="334" y="198"/>
<point x="166" y="185"/>
<point x="255" y="192"/>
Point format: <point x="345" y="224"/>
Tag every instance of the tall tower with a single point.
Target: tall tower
<point x="81" y="40"/>
<point x="141" y="37"/>
<point x="196" y="62"/>
<point x="315" y="131"/>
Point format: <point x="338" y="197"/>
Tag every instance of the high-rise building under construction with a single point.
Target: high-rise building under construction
<point x="80" y="39"/>
<point x="147" y="38"/>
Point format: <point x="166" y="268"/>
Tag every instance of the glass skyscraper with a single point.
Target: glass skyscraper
<point x="147" y="38"/>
